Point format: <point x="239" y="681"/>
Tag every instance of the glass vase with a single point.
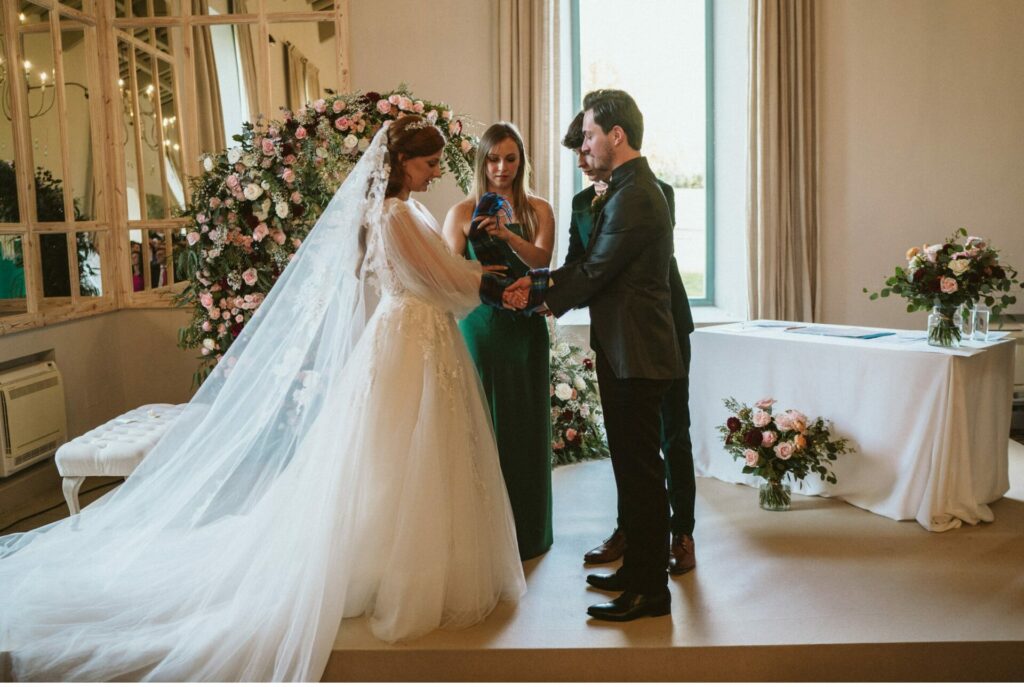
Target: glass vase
<point x="944" y="324"/>
<point x="774" y="495"/>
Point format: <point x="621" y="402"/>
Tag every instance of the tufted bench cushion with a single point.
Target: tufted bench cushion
<point x="114" y="449"/>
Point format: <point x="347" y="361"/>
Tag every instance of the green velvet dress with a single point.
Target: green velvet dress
<point x="512" y="356"/>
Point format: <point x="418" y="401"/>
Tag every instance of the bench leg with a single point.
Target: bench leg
<point x="71" y="487"/>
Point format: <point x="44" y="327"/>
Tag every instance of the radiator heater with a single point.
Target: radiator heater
<point x="33" y="422"/>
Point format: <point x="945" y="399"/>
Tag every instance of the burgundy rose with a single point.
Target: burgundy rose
<point x="565" y="416"/>
<point x="236" y="329"/>
<point x="588" y="364"/>
<point x="373" y="97"/>
<point x="733" y="424"/>
<point x="287" y="149"/>
<point x="918" y="275"/>
<point x="298" y="210"/>
<point x="753" y="438"/>
<point x="251" y="220"/>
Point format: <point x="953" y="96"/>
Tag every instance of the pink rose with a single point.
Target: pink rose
<point x="296" y="197"/>
<point x="268" y="146"/>
<point x="206" y="326"/>
<point x="768" y="439"/>
<point x="784" y="450"/>
<point x="783" y="422"/>
<point x="232" y="181"/>
<point x="288" y="175"/>
<point x="192" y="238"/>
<point x="290" y="160"/>
<point x="320" y="105"/>
<point x="206" y="299"/>
<point x="765" y="403"/>
<point x="751" y="458"/>
<point x="405" y="103"/>
<point x="948" y="285"/>
<point x="278" y="236"/>
<point x="296" y="243"/>
<point x="798" y="420"/>
<point x="761" y="418"/>
<point x="341" y="123"/>
<point x="260" y="232"/>
<point x="570" y="434"/>
<point x="249" y="276"/>
<point x="300" y="133"/>
<point x="383" y="106"/>
<point x="215" y="313"/>
<point x="455" y="128"/>
<point x="393" y="98"/>
<point x="239" y="318"/>
<point x="418" y="106"/>
<point x="338" y="106"/>
<point x="273" y="132"/>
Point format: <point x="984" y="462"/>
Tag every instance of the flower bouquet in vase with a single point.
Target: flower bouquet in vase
<point x="946" y="277"/>
<point x="777" y="446"/>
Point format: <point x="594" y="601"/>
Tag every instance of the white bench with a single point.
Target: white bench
<point x="114" y="449"/>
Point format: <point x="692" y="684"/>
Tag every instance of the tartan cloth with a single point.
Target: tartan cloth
<point x="492" y="251"/>
<point x="538" y="289"/>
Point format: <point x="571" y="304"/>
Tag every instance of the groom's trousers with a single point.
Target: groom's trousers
<point x="632" y="419"/>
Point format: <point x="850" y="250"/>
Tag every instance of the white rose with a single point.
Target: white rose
<point x="281" y="209"/>
<point x="563" y="391"/>
<point x="321" y="152"/>
<point x="234" y="155"/>
<point x="208" y="164"/>
<point x="351" y="141"/>
<point x="209" y="344"/>
<point x="579" y="383"/>
<point x="959" y="266"/>
<point x="563" y="349"/>
<point x="253" y="191"/>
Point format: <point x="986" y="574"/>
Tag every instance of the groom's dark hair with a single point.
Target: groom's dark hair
<point x="616" y="108"/>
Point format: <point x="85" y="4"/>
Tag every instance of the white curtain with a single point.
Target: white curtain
<point x="782" y="231"/>
<point x="527" y="62"/>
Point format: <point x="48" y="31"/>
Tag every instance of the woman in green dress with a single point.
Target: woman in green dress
<point x="511" y="349"/>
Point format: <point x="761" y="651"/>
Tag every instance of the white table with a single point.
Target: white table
<point x="114" y="449"/>
<point x="931" y="426"/>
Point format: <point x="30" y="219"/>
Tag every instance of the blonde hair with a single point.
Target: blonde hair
<point x="495" y="134"/>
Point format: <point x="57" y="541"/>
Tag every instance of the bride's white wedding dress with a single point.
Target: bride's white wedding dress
<point x="334" y="465"/>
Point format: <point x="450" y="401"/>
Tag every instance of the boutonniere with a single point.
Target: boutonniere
<point x="600" y="198"/>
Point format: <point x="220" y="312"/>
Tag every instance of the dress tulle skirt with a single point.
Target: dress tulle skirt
<point x="393" y="506"/>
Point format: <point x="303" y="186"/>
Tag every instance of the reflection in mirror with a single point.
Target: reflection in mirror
<point x="149" y="135"/>
<point x="12" y="275"/>
<point x="302" y="67"/>
<point x="159" y="260"/>
<point x="44" y="126"/>
<point x="147" y="8"/>
<point x="131" y="158"/>
<point x="135" y="260"/>
<point x="8" y="183"/>
<point x="76" y="44"/>
<point x="174" y="170"/>
<point x="225" y="6"/>
<point x="179" y="242"/>
<point x="90" y="282"/>
<point x="53" y="253"/>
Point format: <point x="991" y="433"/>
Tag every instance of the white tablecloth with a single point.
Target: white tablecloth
<point x="931" y="427"/>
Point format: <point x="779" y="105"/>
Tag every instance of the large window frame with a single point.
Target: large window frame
<point x="709" y="176"/>
<point x="111" y="24"/>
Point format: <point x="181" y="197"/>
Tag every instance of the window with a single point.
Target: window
<point x="660" y="52"/>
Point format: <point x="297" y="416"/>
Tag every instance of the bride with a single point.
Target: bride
<point x="338" y="462"/>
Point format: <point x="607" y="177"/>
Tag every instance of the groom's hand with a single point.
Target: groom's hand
<point x="517" y="294"/>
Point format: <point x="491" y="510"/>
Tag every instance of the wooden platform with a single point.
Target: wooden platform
<point x="825" y="592"/>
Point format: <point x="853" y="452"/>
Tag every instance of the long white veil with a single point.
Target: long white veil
<point x="213" y="561"/>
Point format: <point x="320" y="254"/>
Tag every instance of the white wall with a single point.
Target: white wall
<point x="922" y="131"/>
<point x="441" y="50"/>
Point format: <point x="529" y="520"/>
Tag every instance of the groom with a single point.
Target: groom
<point x="623" y="279"/>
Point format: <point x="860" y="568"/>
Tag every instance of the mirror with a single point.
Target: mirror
<point x="53" y="254"/>
<point x="9" y="211"/>
<point x="146" y="8"/>
<point x="132" y="161"/>
<point x="75" y="43"/>
<point x="303" y="62"/>
<point x="12" y="275"/>
<point x="90" y="281"/>
<point x="159" y="271"/>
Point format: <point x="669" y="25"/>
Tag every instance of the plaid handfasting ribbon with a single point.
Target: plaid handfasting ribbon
<point x="488" y="249"/>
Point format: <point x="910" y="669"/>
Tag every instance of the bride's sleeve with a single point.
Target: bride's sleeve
<point x="423" y="264"/>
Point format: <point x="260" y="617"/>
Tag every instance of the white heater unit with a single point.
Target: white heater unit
<point x="32" y="418"/>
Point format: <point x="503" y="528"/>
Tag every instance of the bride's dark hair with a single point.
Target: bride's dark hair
<point x="411" y="136"/>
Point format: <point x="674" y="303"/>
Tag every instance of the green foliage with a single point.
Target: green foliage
<point x="576" y="432"/>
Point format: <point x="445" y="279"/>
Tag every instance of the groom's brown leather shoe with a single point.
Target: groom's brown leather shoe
<point x="681" y="556"/>
<point x="608" y="582"/>
<point x="631" y="606"/>
<point x="611" y="549"/>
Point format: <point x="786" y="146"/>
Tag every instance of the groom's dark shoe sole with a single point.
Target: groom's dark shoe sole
<point x="608" y="582"/>
<point x="631" y="606"/>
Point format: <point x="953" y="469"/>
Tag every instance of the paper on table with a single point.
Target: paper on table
<point x="845" y="332"/>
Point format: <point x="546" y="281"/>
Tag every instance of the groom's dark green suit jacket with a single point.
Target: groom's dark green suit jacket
<point x="623" y="278"/>
<point x="581" y="227"/>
